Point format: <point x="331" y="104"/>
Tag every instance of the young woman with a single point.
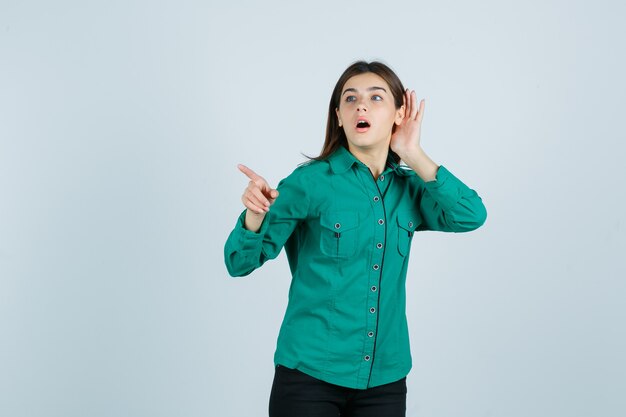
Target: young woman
<point x="346" y="220"/>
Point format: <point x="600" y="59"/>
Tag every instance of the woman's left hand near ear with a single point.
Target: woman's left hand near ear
<point x="406" y="138"/>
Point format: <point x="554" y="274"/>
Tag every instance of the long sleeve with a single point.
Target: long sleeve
<point x="448" y="205"/>
<point x="245" y="251"/>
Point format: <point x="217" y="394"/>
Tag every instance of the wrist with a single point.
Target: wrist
<point x="253" y="221"/>
<point x="411" y="155"/>
<point x="421" y="163"/>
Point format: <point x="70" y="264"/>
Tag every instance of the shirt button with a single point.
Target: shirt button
<point x="370" y="334"/>
<point x="376" y="198"/>
<point x="372" y="310"/>
<point x="379" y="245"/>
<point x="374" y="288"/>
<point x="381" y="178"/>
<point x="337" y="225"/>
<point x="381" y="221"/>
<point x="367" y="358"/>
<point x="376" y="267"/>
<point x="410" y="224"/>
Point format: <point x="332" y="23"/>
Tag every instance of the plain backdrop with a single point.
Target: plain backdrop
<point x="121" y="124"/>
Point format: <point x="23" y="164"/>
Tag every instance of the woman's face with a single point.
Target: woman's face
<point x="367" y="112"/>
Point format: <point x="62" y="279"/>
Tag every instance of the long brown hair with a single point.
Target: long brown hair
<point x="335" y="136"/>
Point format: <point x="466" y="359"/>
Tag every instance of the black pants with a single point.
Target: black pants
<point x="295" y="394"/>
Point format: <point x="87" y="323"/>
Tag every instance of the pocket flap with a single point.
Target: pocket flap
<point x="339" y="221"/>
<point x="409" y="220"/>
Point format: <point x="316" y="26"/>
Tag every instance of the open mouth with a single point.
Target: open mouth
<point x="362" y="125"/>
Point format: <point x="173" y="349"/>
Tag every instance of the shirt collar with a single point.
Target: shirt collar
<point x="341" y="160"/>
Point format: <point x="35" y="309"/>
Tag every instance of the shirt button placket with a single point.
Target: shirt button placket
<point x="376" y="268"/>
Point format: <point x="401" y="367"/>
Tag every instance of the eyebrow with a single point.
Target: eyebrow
<point x="369" y="89"/>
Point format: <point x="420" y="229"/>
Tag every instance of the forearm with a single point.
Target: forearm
<point x="451" y="206"/>
<point x="253" y="221"/>
<point x="243" y="251"/>
<point x="421" y="164"/>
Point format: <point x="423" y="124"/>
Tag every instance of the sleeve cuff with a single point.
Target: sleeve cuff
<point x="445" y="189"/>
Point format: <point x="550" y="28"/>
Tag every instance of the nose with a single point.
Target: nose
<point x="361" y="106"/>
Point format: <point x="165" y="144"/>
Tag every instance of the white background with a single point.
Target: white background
<point x="121" y="124"/>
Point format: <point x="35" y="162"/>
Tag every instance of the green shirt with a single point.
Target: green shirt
<point x="347" y="236"/>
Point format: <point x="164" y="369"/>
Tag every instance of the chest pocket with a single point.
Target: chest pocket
<point x="339" y="232"/>
<point x="407" y="223"/>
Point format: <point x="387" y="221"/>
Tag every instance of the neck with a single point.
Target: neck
<point x="374" y="159"/>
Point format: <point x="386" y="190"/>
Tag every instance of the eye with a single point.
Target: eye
<point x="350" y="99"/>
<point x="376" y="97"/>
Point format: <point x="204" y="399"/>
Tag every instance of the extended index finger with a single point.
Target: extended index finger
<point x="248" y="172"/>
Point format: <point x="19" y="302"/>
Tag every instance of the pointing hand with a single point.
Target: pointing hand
<point x="258" y="196"/>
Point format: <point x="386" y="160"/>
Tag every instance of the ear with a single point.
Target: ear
<point x="338" y="118"/>
<point x="400" y="115"/>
